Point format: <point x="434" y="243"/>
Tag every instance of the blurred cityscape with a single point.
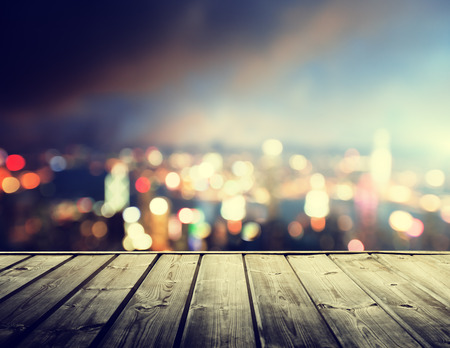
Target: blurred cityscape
<point x="271" y="199"/>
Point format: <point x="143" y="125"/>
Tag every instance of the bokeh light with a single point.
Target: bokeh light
<point x="233" y="208"/>
<point x="317" y="181"/>
<point x="99" y="229"/>
<point x="85" y="205"/>
<point x="186" y="215"/>
<point x="10" y="184"/>
<point x="131" y="214"/>
<point x="58" y="163"/>
<point x="205" y="170"/>
<point x="318" y="224"/>
<point x="317" y="204"/>
<point x="30" y="180"/>
<point x="416" y="228"/>
<point x="355" y="245"/>
<point x="399" y="193"/>
<point x="134" y="229"/>
<point x="250" y="231"/>
<point x="435" y="178"/>
<point x="272" y="147"/>
<point x="344" y="192"/>
<point x="142" y="242"/>
<point x="234" y="227"/>
<point x="173" y="180"/>
<point x="159" y="206"/>
<point x="154" y="157"/>
<point x="15" y="162"/>
<point x="445" y="213"/>
<point x="175" y="228"/>
<point x="107" y="211"/>
<point x="298" y="162"/>
<point x="200" y="230"/>
<point x="216" y="181"/>
<point x="242" y="168"/>
<point x="430" y="202"/>
<point x="400" y="221"/>
<point x="142" y="184"/>
<point x="295" y="229"/>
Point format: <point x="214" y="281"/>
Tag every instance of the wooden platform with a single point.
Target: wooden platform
<point x="377" y="299"/>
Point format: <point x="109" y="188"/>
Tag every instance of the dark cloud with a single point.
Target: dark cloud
<point x="53" y="51"/>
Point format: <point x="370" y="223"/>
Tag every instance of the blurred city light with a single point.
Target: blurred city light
<point x="272" y="147"/>
<point x="131" y="214"/>
<point x="220" y="197"/>
<point x="355" y="245"/>
<point x="15" y="162"/>
<point x="159" y="206"/>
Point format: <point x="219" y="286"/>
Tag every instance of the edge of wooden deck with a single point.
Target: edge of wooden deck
<point x="242" y="252"/>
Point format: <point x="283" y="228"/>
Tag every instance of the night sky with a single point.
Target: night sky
<point x="314" y="74"/>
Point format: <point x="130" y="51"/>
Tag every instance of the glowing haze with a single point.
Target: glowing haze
<point x="312" y="74"/>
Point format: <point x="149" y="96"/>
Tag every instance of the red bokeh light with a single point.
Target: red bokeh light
<point x="15" y="162"/>
<point x="142" y="184"/>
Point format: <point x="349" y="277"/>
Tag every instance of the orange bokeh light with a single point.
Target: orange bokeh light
<point x="30" y="180"/>
<point x="234" y="226"/>
<point x="318" y="224"/>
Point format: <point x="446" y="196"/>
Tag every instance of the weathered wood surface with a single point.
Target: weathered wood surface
<point x="427" y="316"/>
<point x="19" y="312"/>
<point x="257" y="299"/>
<point x="355" y="318"/>
<point x="430" y="277"/>
<point x="219" y="314"/>
<point x="152" y="316"/>
<point x="285" y="314"/>
<point x="80" y="319"/>
<point x="22" y="273"/>
<point x="9" y="260"/>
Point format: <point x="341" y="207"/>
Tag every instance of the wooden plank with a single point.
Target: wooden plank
<point x="441" y="261"/>
<point x="21" y="274"/>
<point x="423" y="314"/>
<point x="285" y="314"/>
<point x="430" y="278"/>
<point x="219" y="314"/>
<point x="152" y="315"/>
<point x="354" y="316"/>
<point x="23" y="309"/>
<point x="7" y="260"/>
<point x="78" y="321"/>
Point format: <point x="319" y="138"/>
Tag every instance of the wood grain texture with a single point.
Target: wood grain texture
<point x="440" y="261"/>
<point x="219" y="314"/>
<point x="78" y="321"/>
<point x="285" y="314"/>
<point x="433" y="279"/>
<point x="152" y="315"/>
<point x="24" y="272"/>
<point x="428" y="317"/>
<point x="126" y="299"/>
<point x="8" y="260"/>
<point x="354" y="316"/>
<point x="24" y="308"/>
